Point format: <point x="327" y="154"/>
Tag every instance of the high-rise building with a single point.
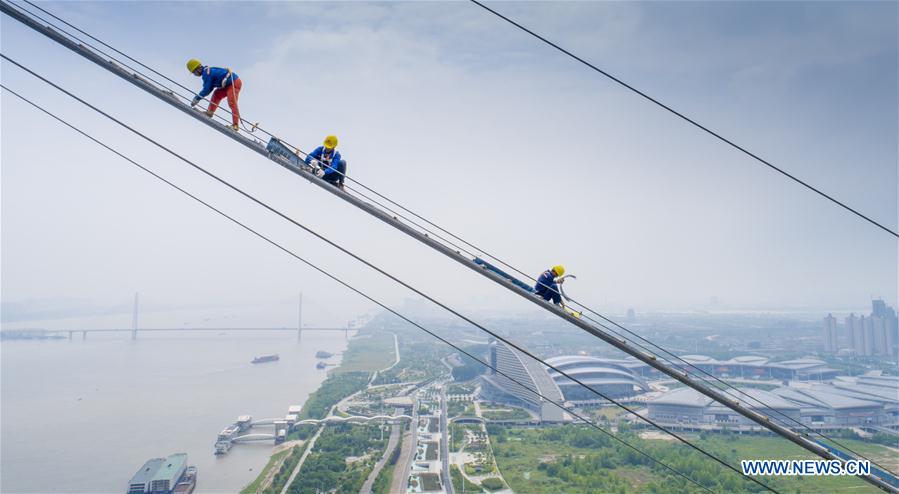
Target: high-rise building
<point x="876" y="334"/>
<point x="879" y="334"/>
<point x="881" y="309"/>
<point x="830" y="334"/>
<point x="892" y="336"/>
<point x="884" y="328"/>
<point x="868" y="332"/>
<point x="855" y="334"/>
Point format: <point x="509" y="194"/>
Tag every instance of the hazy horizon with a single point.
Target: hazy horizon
<point x="478" y="127"/>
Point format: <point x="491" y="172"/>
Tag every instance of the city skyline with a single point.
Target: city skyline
<point x="683" y="232"/>
<point x="152" y="325"/>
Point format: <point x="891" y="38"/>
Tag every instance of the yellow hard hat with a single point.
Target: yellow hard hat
<point x="559" y="270"/>
<point x="330" y="142"/>
<point x="192" y="64"/>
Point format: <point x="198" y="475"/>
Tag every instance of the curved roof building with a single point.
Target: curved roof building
<point x="845" y="403"/>
<point x="611" y="377"/>
<point x="685" y="406"/>
<point x="743" y="366"/>
<point x="533" y="378"/>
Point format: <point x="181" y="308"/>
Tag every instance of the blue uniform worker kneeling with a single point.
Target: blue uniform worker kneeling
<point x="328" y="158"/>
<point x="546" y="286"/>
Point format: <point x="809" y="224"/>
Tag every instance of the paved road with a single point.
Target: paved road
<point x="391" y="444"/>
<point x="407" y="455"/>
<point x="296" y="469"/>
<point x="444" y="443"/>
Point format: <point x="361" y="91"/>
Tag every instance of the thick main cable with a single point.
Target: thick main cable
<point x="361" y="194"/>
<point x="130" y="67"/>
<point x="554" y="45"/>
<point x="385" y="273"/>
<point x="352" y="288"/>
<point x="689" y="120"/>
<point x="622" y="344"/>
<point x="726" y="387"/>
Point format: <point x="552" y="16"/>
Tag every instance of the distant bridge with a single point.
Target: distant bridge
<point x="134" y="332"/>
<point x="135" y="329"/>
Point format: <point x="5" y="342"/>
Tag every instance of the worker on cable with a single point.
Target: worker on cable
<point x="327" y="158"/>
<point x="221" y="83"/>
<point x="547" y="285"/>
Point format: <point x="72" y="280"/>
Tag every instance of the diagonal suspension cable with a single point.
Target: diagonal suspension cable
<point x="691" y="121"/>
<point x="357" y="291"/>
<point x="621" y="344"/>
<point x="387" y="274"/>
<point x="362" y="194"/>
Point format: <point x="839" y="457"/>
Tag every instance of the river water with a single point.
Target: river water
<point x="83" y="416"/>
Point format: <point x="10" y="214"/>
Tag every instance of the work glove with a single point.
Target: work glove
<point x="195" y="101"/>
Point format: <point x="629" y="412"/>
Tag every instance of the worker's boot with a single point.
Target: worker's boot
<point x="209" y="113"/>
<point x="235" y="128"/>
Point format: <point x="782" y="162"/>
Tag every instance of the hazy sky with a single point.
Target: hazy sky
<point x="476" y="125"/>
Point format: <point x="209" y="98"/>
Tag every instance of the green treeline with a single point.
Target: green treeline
<point x="335" y="388"/>
<point x="284" y="471"/>
<point x="385" y="477"/>
<point x="605" y="465"/>
<point x="327" y="468"/>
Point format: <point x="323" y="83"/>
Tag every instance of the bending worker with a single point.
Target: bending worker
<point x="547" y="287"/>
<point x="328" y="158"/>
<point x="221" y="83"/>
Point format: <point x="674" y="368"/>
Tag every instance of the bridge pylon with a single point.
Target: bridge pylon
<point x="300" y="319"/>
<point x="134" y="319"/>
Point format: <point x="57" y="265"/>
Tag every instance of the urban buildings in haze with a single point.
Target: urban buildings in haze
<point x="830" y="334"/>
<point x="876" y="334"/>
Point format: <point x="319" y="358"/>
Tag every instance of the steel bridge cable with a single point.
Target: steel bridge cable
<point x="387" y="274"/>
<point x="142" y="74"/>
<point x="725" y="387"/>
<point x="587" y="318"/>
<point x="575" y="303"/>
<point x="689" y="120"/>
<point x="357" y="291"/>
<point x="125" y="64"/>
<point x="588" y="64"/>
<point x="722" y="385"/>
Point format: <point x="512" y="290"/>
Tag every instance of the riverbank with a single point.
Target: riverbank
<point x="92" y="395"/>
<point x="366" y="353"/>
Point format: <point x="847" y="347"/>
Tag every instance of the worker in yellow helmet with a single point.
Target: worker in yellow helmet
<point x="327" y="158"/>
<point x="547" y="285"/>
<point x="222" y="83"/>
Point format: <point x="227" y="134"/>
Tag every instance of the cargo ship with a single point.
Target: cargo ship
<point x="321" y="365"/>
<point x="323" y="354"/>
<point x="188" y="482"/>
<point x="266" y="358"/>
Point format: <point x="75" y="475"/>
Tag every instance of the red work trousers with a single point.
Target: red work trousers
<point x="232" y="92"/>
